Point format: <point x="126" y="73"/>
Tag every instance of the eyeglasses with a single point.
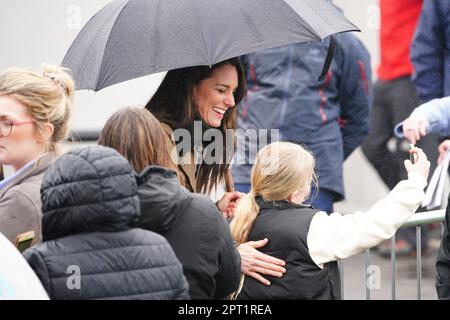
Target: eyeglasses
<point x="6" y="126"/>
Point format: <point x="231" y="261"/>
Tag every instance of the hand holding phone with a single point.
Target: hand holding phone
<point x="421" y="164"/>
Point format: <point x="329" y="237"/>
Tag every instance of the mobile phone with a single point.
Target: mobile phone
<point x="24" y="240"/>
<point x="412" y="156"/>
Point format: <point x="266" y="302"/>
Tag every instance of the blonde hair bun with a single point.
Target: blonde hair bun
<point x="61" y="76"/>
<point x="47" y="95"/>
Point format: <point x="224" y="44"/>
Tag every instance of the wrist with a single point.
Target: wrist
<point x="417" y="178"/>
<point x="217" y="205"/>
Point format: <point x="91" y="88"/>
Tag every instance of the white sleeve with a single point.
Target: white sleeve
<point x="337" y="236"/>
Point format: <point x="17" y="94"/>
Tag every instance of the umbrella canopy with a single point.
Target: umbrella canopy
<point x="131" y="38"/>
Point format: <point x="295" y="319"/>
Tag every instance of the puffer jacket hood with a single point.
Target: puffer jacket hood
<point x="161" y="196"/>
<point x="97" y="194"/>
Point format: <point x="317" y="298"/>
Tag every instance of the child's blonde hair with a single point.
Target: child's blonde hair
<point x="281" y="168"/>
<point x="48" y="97"/>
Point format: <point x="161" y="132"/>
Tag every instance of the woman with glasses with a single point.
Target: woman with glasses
<point x="34" y="119"/>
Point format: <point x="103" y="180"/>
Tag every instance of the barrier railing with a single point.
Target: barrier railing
<point x="417" y="220"/>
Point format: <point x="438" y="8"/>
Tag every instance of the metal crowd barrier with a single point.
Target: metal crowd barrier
<point x="417" y="220"/>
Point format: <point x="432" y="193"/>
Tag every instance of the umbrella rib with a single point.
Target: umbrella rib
<point x="98" y="85"/>
<point x="307" y="24"/>
<point x="201" y="32"/>
<point x="310" y="27"/>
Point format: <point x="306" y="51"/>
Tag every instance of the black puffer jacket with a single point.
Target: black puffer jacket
<point x="89" y="199"/>
<point x="194" y="227"/>
<point x="443" y="260"/>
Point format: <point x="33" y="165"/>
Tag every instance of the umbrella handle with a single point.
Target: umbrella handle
<point x="328" y="59"/>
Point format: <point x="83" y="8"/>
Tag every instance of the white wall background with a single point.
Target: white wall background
<point x="37" y="31"/>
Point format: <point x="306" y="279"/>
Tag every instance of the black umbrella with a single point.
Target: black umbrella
<point x="131" y="38"/>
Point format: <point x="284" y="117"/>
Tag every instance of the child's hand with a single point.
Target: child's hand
<point x="421" y="165"/>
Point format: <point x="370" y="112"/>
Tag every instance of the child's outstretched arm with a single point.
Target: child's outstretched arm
<point x="340" y="236"/>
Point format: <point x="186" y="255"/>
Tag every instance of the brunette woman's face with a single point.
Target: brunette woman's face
<point x="21" y="143"/>
<point x="215" y="95"/>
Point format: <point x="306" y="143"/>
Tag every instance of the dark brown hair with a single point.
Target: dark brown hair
<point x="173" y="104"/>
<point x="137" y="135"/>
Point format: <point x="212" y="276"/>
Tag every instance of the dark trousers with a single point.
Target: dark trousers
<point x="443" y="260"/>
<point x="393" y="102"/>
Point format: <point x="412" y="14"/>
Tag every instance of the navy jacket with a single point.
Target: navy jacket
<point x="330" y="117"/>
<point x="430" y="51"/>
<point x="89" y="200"/>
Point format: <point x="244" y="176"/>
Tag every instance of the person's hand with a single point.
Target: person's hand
<point x="228" y="203"/>
<point x="443" y="148"/>
<point x="255" y="263"/>
<point x="414" y="128"/>
<point x="421" y="165"/>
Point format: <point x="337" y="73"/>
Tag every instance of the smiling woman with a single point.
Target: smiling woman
<point x="206" y="95"/>
<point x="215" y="95"/>
<point x="34" y="115"/>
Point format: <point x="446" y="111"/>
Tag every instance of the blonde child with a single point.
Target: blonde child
<point x="309" y="240"/>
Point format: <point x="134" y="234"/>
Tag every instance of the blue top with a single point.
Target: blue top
<point x="436" y="112"/>
<point x="430" y="51"/>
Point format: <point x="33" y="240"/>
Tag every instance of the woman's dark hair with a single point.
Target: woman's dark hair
<point x="137" y="135"/>
<point x="173" y="104"/>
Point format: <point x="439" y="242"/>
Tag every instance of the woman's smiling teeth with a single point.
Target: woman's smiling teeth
<point x="219" y="110"/>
